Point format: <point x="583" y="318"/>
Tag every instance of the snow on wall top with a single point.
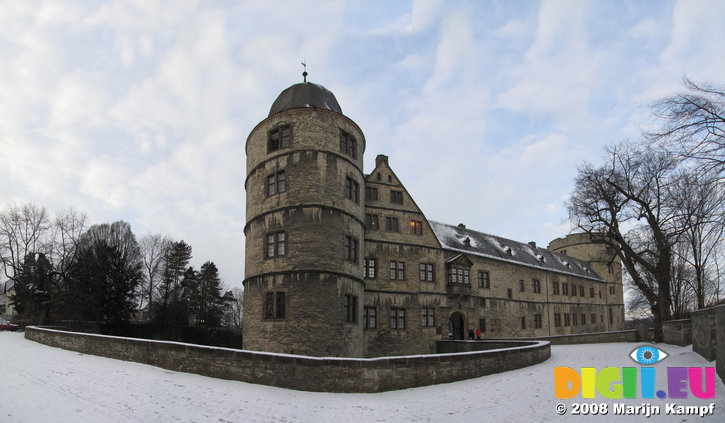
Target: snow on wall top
<point x="493" y="247"/>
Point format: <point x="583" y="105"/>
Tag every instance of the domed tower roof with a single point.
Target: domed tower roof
<point x="305" y="94"/>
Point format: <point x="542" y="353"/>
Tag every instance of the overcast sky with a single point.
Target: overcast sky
<point x="139" y="110"/>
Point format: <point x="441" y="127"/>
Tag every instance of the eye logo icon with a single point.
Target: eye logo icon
<point x="647" y="355"/>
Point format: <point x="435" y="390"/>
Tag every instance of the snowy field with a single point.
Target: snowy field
<point x="45" y="384"/>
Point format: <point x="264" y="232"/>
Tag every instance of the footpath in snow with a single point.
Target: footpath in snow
<point x="44" y="384"/>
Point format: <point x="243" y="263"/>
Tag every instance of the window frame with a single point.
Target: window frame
<point x="276" y="245"/>
<point x="426" y="272"/>
<point x="275" y="305"/>
<point x="370" y="265"/>
<point x="427" y="317"/>
<point x="397" y="318"/>
<point x="283" y="140"/>
<point x="369" y="316"/>
<point x="348" y="144"/>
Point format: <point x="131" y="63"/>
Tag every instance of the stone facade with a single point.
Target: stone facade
<point x="363" y="272"/>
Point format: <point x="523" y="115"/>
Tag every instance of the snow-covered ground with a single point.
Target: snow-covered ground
<point x="44" y="384"/>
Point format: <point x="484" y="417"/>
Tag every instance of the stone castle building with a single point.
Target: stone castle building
<point x="340" y="262"/>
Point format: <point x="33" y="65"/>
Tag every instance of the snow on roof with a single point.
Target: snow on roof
<point x="502" y="249"/>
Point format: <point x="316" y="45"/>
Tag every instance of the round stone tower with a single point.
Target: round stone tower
<point x="605" y="261"/>
<point x="303" y="286"/>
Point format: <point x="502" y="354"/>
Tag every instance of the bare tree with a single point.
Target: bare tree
<point x="24" y="230"/>
<point x="154" y="248"/>
<point x="699" y="198"/>
<point x="693" y="124"/>
<point x="626" y="201"/>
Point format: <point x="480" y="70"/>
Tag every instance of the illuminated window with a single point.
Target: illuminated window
<point x="416" y="227"/>
<point x="371" y="222"/>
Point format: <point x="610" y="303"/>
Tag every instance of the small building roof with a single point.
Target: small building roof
<point x="305" y="95"/>
<point x="463" y="240"/>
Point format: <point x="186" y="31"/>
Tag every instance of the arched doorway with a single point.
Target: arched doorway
<point x="455" y="325"/>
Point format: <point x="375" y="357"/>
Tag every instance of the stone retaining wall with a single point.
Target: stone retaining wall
<point x="677" y="332"/>
<point x="303" y="372"/>
<point x="631" y="335"/>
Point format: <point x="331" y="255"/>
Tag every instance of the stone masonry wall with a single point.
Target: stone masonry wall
<point x="677" y="332"/>
<point x="301" y="372"/>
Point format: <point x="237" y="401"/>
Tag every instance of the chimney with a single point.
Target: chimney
<point x="462" y="226"/>
<point x="533" y="244"/>
<point x="381" y="158"/>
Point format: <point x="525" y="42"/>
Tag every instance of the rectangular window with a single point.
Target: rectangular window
<point x="427" y="317"/>
<point x="371" y="193"/>
<point x="591" y="292"/>
<point x="349" y="309"/>
<point x="482" y="325"/>
<point x="564" y="289"/>
<point x="276" y="183"/>
<point x="416" y="227"/>
<point x="610" y="269"/>
<point x="611" y="317"/>
<point x="426" y="272"/>
<point x="279" y="137"/>
<point x="584" y="319"/>
<point x="352" y="189"/>
<point x="555" y="285"/>
<point x="274" y="305"/>
<point x="594" y="319"/>
<point x="581" y="290"/>
<point x="509" y="293"/>
<point x="397" y="318"/>
<point x="371" y="222"/>
<point x="482" y="302"/>
<point x="276" y="244"/>
<point x="397" y="270"/>
<point x="369" y="318"/>
<point x="611" y="290"/>
<point x="573" y="319"/>
<point x="348" y="144"/>
<point x="484" y="280"/>
<point x="370" y="268"/>
<point x="457" y="275"/>
<point x="391" y="224"/>
<point x="536" y="286"/>
<point x="557" y="320"/>
<point x="351" y="249"/>
<point x="566" y="319"/>
<point x="573" y="290"/>
<point x="538" y="322"/>
<point x="396" y="197"/>
<point x="521" y="285"/>
<point x="523" y="322"/>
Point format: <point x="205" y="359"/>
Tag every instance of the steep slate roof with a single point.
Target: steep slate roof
<point x="453" y="238"/>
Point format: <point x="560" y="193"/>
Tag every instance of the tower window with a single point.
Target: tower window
<point x="348" y="144"/>
<point x="351" y="249"/>
<point x="276" y="244"/>
<point x="280" y="137"/>
<point x="396" y="197"/>
<point x="352" y="189"/>
<point x="276" y="183"/>
<point x="275" y="304"/>
<point x="349" y="309"/>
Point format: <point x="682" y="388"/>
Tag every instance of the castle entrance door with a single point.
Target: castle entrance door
<point x="455" y="325"/>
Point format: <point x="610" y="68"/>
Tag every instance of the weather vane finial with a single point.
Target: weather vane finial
<point x="304" y="73"/>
